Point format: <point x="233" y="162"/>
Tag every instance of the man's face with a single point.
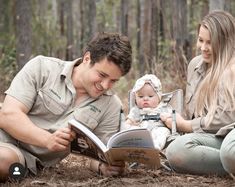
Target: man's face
<point x="97" y="79"/>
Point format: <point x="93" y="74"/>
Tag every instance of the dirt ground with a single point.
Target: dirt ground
<point x="72" y="172"/>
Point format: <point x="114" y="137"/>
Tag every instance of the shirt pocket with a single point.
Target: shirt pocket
<point x="85" y="117"/>
<point x="51" y="103"/>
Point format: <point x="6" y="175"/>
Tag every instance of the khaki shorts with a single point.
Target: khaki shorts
<point x="32" y="157"/>
<point x="16" y="150"/>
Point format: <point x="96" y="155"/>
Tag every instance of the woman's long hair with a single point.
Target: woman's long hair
<point x="219" y="79"/>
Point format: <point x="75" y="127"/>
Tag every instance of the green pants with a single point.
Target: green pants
<point x="227" y="152"/>
<point x="196" y="153"/>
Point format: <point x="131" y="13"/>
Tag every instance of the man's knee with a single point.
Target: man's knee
<point x="7" y="158"/>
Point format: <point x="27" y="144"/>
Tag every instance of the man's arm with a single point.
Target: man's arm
<point x="14" y="120"/>
<point x="117" y="169"/>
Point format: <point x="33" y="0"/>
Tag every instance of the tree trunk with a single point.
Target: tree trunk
<point x="82" y="23"/>
<point x="139" y="65"/>
<point x="62" y="17"/>
<point x="192" y="35"/>
<point x="124" y="17"/>
<point x="4" y="24"/>
<point x="148" y="35"/>
<point x="69" y="31"/>
<point x="154" y="36"/>
<point x="77" y="29"/>
<point x="145" y="36"/>
<point x="180" y="36"/>
<point x="23" y="31"/>
<point x="92" y="18"/>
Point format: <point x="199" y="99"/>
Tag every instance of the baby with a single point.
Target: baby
<point x="147" y="92"/>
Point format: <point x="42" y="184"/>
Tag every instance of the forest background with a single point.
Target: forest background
<point x="162" y="33"/>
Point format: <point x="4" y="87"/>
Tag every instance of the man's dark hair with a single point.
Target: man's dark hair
<point x="114" y="47"/>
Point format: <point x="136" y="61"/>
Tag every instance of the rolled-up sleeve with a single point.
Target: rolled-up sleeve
<point x="197" y="124"/>
<point x="223" y="116"/>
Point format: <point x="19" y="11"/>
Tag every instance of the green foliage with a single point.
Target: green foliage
<point x="46" y="35"/>
<point x="8" y="65"/>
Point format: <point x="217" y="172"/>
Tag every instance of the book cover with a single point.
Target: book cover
<point x="134" y="145"/>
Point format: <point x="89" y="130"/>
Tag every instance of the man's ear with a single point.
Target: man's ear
<point x="87" y="57"/>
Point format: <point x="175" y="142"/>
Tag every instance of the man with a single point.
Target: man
<point x="48" y="92"/>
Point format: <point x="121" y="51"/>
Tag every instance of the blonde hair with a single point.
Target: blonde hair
<point x="221" y="26"/>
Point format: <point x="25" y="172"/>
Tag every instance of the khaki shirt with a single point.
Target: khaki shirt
<point x="44" y="85"/>
<point x="222" y="117"/>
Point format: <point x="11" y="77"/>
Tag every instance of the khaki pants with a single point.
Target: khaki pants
<point x="227" y="152"/>
<point x="196" y="153"/>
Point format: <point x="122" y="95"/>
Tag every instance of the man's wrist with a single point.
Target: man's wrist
<point x="95" y="166"/>
<point x="45" y="139"/>
<point x="99" y="168"/>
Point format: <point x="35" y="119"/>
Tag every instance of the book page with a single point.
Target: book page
<point x="140" y="137"/>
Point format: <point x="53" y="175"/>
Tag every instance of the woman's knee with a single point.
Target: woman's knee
<point x="227" y="153"/>
<point x="177" y="151"/>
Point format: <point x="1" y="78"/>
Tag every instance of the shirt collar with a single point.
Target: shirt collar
<point x="68" y="69"/>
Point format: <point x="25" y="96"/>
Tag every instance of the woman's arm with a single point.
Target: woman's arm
<point x="182" y="125"/>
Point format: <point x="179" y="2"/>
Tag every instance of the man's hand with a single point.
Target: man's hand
<point x="60" y="139"/>
<point x="116" y="169"/>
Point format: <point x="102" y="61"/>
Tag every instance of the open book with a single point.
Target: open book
<point x="133" y="145"/>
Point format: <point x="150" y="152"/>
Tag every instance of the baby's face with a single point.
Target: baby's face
<point x="146" y="97"/>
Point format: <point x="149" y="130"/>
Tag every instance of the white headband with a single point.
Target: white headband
<point x="152" y="80"/>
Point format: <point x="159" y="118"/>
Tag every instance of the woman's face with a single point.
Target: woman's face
<point x="204" y="44"/>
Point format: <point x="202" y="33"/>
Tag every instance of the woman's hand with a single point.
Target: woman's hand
<point x="181" y="124"/>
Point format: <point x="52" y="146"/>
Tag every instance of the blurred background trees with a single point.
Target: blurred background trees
<point x="162" y="32"/>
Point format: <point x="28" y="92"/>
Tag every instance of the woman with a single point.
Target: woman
<point x="210" y="101"/>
